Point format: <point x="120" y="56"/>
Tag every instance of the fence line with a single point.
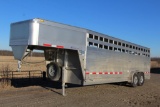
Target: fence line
<point x="29" y="74"/>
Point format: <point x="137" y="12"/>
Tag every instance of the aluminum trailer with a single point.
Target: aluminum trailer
<point x="81" y="56"/>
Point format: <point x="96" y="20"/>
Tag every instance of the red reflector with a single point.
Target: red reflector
<point x="106" y="72"/>
<point x="100" y="72"/>
<point x="59" y="46"/>
<point x="87" y="72"/>
<point x="47" y="45"/>
<point x="94" y="73"/>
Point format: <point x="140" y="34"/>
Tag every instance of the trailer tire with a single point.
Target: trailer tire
<point x="140" y="79"/>
<point x="134" y="82"/>
<point x="53" y="71"/>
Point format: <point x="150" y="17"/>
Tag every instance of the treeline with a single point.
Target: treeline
<point x="6" y="53"/>
<point x="10" y="53"/>
<point x="156" y="59"/>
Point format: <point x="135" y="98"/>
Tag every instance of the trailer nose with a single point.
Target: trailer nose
<point x="19" y="51"/>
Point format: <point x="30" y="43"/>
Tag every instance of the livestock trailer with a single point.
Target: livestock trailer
<point x="80" y="56"/>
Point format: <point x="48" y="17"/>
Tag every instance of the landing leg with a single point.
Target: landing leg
<point x="63" y="82"/>
<point x="63" y="89"/>
<point x="19" y="66"/>
<point x="64" y="73"/>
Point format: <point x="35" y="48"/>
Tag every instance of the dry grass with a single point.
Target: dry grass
<point x="4" y="60"/>
<point x="5" y="76"/>
<point x="155" y="62"/>
<point x="9" y="64"/>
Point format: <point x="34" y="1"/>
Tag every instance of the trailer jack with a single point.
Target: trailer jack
<point x="64" y="73"/>
<point x="63" y="82"/>
<point x="19" y="66"/>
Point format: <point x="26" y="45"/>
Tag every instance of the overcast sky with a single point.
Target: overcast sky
<point x="136" y="21"/>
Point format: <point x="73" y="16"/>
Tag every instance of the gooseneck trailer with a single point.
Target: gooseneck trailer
<point x="81" y="56"/>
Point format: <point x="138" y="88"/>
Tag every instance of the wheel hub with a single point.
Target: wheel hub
<point x="136" y="80"/>
<point x="52" y="72"/>
<point x="141" y="79"/>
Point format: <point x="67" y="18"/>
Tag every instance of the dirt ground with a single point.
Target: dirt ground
<point x="40" y="93"/>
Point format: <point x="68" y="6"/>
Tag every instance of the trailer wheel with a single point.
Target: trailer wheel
<point x="140" y="79"/>
<point x="134" y="80"/>
<point x="53" y="72"/>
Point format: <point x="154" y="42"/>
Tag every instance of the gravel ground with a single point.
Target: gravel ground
<point x="48" y="94"/>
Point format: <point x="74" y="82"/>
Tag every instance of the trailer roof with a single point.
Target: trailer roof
<point x="82" y="29"/>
